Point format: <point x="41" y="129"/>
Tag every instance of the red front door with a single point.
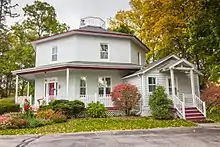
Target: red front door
<point x="51" y="89"/>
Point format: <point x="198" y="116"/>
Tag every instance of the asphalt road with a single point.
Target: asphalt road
<point x="190" y="137"/>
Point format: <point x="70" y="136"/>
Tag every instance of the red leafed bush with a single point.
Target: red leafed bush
<point x="125" y="97"/>
<point x="211" y="94"/>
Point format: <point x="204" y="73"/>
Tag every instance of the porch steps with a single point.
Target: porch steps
<point x="193" y="114"/>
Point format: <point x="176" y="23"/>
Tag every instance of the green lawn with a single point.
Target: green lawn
<point x="104" y="124"/>
<point x="10" y="100"/>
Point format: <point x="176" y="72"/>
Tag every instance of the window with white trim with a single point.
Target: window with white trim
<point x="152" y="84"/>
<point x="104" y="51"/>
<point x="54" y="53"/>
<point x="104" y="84"/>
<point x="83" y="86"/>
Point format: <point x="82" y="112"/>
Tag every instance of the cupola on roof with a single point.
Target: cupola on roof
<point x="92" y="21"/>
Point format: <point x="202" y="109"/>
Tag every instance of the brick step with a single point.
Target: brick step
<point x="193" y="114"/>
<point x="192" y="111"/>
<point x="196" y="119"/>
<point x="190" y="108"/>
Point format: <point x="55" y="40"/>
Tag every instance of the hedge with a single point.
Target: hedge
<point x="6" y="108"/>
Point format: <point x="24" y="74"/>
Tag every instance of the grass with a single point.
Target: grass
<point x="102" y="124"/>
<point x="10" y="100"/>
<point x="214" y="116"/>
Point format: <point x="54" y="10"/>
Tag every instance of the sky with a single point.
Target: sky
<point x="70" y="11"/>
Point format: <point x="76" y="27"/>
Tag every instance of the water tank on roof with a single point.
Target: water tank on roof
<point x="92" y="21"/>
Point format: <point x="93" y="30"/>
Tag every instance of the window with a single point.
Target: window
<point x="139" y="58"/>
<point x="83" y="86"/>
<point x="104" y="84"/>
<point x="54" y="53"/>
<point x="170" y="86"/>
<point x="151" y="84"/>
<point x="104" y="51"/>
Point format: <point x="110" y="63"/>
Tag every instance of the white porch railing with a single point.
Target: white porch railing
<point x="200" y="105"/>
<point x="179" y="106"/>
<point x="20" y="100"/>
<point x="104" y="99"/>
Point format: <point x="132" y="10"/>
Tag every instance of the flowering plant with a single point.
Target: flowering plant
<point x="28" y="109"/>
<point x="125" y="96"/>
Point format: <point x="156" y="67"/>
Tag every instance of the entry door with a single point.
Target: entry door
<point x="51" y="89"/>
<point x="169" y="86"/>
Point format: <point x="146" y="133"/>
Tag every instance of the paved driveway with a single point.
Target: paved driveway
<point x="197" y="137"/>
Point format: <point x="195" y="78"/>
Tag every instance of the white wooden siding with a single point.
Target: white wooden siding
<point x="134" y="54"/>
<point x="87" y="48"/>
<point x="74" y="82"/>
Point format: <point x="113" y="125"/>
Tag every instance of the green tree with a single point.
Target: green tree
<point x="123" y="29"/>
<point x="204" y="32"/>
<point x="40" y="20"/>
<point x="5" y="63"/>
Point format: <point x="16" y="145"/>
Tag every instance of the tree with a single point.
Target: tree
<point x="5" y="78"/>
<point x="205" y="43"/>
<point x="160" y="24"/>
<point x="41" y="20"/>
<point x="160" y="105"/>
<point x="5" y="10"/>
<point x="126" y="97"/>
<point x="123" y="29"/>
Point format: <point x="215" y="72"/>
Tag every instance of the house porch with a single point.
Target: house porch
<point x="86" y="85"/>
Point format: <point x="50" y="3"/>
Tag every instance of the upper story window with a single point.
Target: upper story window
<point x="104" y="51"/>
<point x="139" y="58"/>
<point x="152" y="84"/>
<point x="54" y="53"/>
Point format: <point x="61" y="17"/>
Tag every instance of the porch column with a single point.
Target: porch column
<point x="67" y="82"/>
<point x="28" y="89"/>
<point x="16" y="89"/>
<point x="172" y="82"/>
<point x="192" y="85"/>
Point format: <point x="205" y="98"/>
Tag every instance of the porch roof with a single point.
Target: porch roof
<point x="187" y="66"/>
<point x="166" y="67"/>
<point x="78" y="65"/>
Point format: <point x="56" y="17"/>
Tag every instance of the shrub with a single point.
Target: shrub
<point x="8" y="122"/>
<point x="211" y="94"/>
<point x="56" y="102"/>
<point x="58" y="117"/>
<point x="45" y="114"/>
<point x="34" y="122"/>
<point x="160" y="105"/>
<point x="51" y="116"/>
<point x="96" y="110"/>
<point x="125" y="97"/>
<point x="69" y="108"/>
<point x="7" y="107"/>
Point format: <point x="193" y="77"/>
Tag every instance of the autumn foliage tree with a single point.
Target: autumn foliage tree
<point x="125" y="97"/>
<point x="211" y="94"/>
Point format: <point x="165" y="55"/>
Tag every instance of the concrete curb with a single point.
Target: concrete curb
<point x="174" y="130"/>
